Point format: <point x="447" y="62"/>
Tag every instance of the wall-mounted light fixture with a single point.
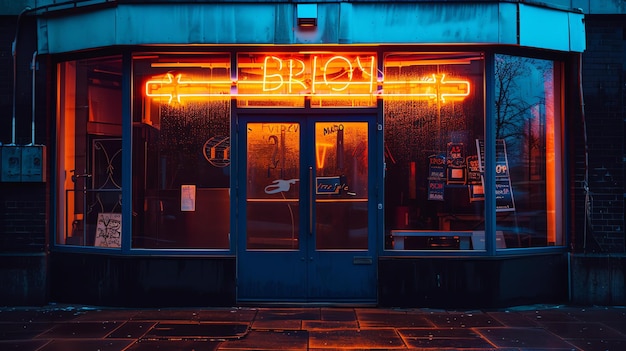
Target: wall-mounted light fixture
<point x="307" y="15"/>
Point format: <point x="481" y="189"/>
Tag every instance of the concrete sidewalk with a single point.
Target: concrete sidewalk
<point x="83" y="328"/>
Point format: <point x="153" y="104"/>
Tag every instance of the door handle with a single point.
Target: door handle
<point x="75" y="176"/>
<point x="310" y="200"/>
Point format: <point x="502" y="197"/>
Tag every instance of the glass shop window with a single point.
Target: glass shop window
<point x="528" y="151"/>
<point x="434" y="120"/>
<point x="89" y="153"/>
<point x="181" y="151"/>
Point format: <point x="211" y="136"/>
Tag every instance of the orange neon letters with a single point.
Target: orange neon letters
<point x="319" y="75"/>
<point x="179" y="88"/>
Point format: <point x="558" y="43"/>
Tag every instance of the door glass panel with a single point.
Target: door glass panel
<point x="341" y="185"/>
<point x="273" y="172"/>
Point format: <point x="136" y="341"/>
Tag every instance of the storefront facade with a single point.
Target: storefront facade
<point x="397" y="154"/>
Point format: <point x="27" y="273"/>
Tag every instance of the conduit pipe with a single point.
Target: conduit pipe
<point x="33" y="66"/>
<point x="14" y="52"/>
<point x="588" y="195"/>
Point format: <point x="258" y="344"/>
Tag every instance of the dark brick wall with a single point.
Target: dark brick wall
<point x="7" y="32"/>
<point x="22" y="205"/>
<point x="604" y="72"/>
<point x="22" y="217"/>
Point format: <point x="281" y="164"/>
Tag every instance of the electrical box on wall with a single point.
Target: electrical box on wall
<point x="22" y="163"/>
<point x="11" y="164"/>
<point x="33" y="163"/>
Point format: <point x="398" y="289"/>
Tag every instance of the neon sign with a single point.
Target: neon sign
<point x="177" y="88"/>
<point x="320" y="153"/>
<point x="337" y="73"/>
<point x="323" y="75"/>
<point x="433" y="87"/>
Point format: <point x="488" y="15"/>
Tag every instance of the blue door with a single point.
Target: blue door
<point x="306" y="214"/>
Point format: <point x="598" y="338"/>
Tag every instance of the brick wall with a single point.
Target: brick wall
<point x="23" y="218"/>
<point x="7" y="31"/>
<point x="22" y="205"/>
<point x="604" y="70"/>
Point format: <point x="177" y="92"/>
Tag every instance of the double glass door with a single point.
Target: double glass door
<point x="307" y="214"/>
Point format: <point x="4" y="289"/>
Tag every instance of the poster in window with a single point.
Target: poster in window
<point x="504" y="195"/>
<point x="436" y="167"/>
<point x="473" y="170"/>
<point x="187" y="198"/>
<point x="474" y="179"/>
<point x="436" y="190"/>
<point x="476" y="192"/>
<point x="436" y="177"/>
<point x="456" y="163"/>
<point x="109" y="230"/>
<point x="504" y="189"/>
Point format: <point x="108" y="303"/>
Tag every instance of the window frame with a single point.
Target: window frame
<point x="490" y="213"/>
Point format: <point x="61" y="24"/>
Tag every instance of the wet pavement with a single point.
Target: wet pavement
<point x="523" y="328"/>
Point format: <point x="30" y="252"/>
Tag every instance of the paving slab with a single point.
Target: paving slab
<point x="362" y="339"/>
<point x="288" y="314"/>
<point x="325" y="325"/>
<point x="23" y="330"/>
<point x="23" y="345"/>
<point x="512" y="319"/>
<point x="524" y="338"/>
<point x="290" y="340"/>
<point x="86" y="345"/>
<point x="337" y="314"/>
<point x="132" y="330"/>
<point x="174" y="345"/>
<point x="582" y="330"/>
<point x="464" y="320"/>
<point x="195" y="331"/>
<point x="228" y="315"/>
<point x="380" y="318"/>
<point x="599" y="345"/>
<point x="84" y="330"/>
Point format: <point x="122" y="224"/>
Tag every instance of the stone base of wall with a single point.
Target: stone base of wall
<point x="23" y="277"/>
<point x="595" y="280"/>
<point x="141" y="281"/>
<point x="598" y="279"/>
<point x="472" y="282"/>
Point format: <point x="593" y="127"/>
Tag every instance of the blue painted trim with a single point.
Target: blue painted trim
<point x="268" y="23"/>
<point x="474" y="253"/>
<point x="490" y="155"/>
<point x="127" y="151"/>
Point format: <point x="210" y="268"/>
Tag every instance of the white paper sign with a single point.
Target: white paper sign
<point x="109" y="230"/>
<point x="187" y="197"/>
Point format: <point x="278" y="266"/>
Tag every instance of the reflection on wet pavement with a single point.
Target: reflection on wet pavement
<point x="523" y="328"/>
